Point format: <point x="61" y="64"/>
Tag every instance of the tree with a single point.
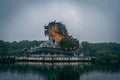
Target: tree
<point x="67" y="43"/>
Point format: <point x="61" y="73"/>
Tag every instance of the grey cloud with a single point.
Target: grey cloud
<point x="89" y="20"/>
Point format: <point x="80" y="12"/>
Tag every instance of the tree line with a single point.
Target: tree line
<point x="14" y="48"/>
<point x="88" y="49"/>
<point x="110" y="49"/>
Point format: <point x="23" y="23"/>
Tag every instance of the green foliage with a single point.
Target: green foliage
<point x="67" y="43"/>
<point x="89" y="49"/>
<point x="101" y="49"/>
<point x="13" y="48"/>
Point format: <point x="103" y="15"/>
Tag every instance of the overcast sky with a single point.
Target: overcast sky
<point x="86" y="20"/>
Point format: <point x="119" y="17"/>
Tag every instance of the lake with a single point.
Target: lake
<point x="59" y="71"/>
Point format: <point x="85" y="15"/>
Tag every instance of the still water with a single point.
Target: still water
<point x="59" y="71"/>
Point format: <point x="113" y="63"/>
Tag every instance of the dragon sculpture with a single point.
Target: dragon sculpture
<point x="59" y="37"/>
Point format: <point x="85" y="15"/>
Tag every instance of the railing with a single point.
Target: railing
<point x="12" y="59"/>
<point x="54" y="59"/>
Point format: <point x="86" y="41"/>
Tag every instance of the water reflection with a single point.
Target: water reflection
<point x="58" y="71"/>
